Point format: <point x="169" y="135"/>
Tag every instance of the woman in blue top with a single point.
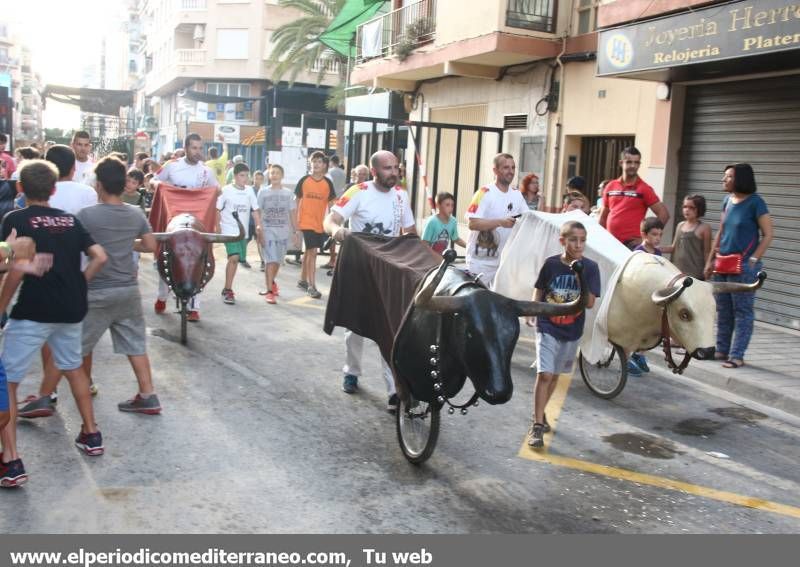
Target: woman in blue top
<point x="746" y="229"/>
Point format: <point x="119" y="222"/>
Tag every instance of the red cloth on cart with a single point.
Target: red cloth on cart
<point x="169" y="202"/>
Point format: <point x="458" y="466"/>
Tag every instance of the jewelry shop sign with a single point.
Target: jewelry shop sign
<point x="726" y="31"/>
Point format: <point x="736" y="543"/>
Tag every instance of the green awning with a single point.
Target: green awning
<point x="339" y="35"/>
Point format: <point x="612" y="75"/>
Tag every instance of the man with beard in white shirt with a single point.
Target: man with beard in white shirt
<point x="187" y="172"/>
<point x="380" y="207"/>
<point x="84" y="166"/>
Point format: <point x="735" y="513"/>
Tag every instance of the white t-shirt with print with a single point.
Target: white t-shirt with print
<point x="181" y="173"/>
<point x="71" y="197"/>
<point x="84" y="172"/>
<point x="491" y="203"/>
<point x="234" y="199"/>
<point x="374" y="211"/>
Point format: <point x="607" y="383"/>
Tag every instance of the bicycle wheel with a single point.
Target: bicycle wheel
<point x="417" y="429"/>
<point x="606" y="378"/>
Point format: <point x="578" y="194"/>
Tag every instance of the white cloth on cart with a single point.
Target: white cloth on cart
<point x="534" y="239"/>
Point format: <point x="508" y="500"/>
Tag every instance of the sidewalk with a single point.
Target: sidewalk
<point x="771" y="375"/>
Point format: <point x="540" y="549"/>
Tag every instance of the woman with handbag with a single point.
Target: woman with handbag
<point x="744" y="235"/>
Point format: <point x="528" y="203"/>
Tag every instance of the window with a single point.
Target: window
<point x="587" y="15"/>
<point x="229" y="89"/>
<point x="232" y="44"/>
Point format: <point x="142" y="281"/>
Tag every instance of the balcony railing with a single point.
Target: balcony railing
<point x="536" y="15"/>
<point x="192" y="4"/>
<point x="398" y="32"/>
<point x="190" y="56"/>
<point x="328" y="65"/>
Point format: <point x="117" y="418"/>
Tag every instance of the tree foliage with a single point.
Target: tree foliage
<point x="296" y="45"/>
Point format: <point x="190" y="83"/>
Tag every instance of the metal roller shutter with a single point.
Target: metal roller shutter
<point x="757" y="122"/>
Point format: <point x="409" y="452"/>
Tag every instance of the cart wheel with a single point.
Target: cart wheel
<point x="184" y="319"/>
<point x="417" y="429"/>
<point x="607" y="378"/>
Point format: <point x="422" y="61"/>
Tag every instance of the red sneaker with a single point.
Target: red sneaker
<point x="160" y="306"/>
<point x="270" y="298"/>
<point x="275" y="289"/>
<point x="193" y="316"/>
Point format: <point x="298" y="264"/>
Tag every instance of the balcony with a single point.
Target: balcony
<point x="437" y="38"/>
<point x="537" y="15"/>
<point x="397" y="33"/>
<point x="189" y="12"/>
<point x="190" y="56"/>
<point x="324" y="65"/>
<point x="176" y="70"/>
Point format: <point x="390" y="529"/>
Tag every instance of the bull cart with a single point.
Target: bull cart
<point x="436" y="324"/>
<point x="185" y="257"/>
<point x="645" y="300"/>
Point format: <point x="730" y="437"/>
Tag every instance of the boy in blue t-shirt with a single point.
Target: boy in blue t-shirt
<point x="442" y="228"/>
<point x="652" y="230"/>
<point x="557" y="338"/>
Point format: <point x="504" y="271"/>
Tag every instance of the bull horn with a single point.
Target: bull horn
<point x="735" y="287"/>
<point x="663" y="297"/>
<point x="222" y="238"/>
<point x="542" y="308"/>
<point x="425" y="295"/>
<point x="161" y="236"/>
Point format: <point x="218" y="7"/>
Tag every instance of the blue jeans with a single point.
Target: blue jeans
<point x="735" y="313"/>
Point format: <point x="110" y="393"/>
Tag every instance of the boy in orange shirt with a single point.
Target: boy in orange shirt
<point x="313" y="193"/>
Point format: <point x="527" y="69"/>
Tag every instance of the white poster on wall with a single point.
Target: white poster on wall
<point x="294" y="161"/>
<point x="315" y="138"/>
<point x="230" y="111"/>
<point x="230" y="132"/>
<point x="291" y="137"/>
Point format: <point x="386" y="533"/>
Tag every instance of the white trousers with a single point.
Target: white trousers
<point x="163" y="293"/>
<point x="354" y="345"/>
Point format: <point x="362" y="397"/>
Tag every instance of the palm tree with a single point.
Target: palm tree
<point x="296" y="45"/>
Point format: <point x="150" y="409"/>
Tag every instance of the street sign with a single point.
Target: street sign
<point x="230" y="132"/>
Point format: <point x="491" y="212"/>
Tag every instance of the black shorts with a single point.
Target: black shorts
<point x="314" y="239"/>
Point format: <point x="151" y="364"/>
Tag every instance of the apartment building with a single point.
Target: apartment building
<point x="23" y="84"/>
<point x="508" y="64"/>
<point x="216" y="47"/>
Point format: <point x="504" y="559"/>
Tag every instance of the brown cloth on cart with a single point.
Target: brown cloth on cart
<point x="374" y="284"/>
<point x="169" y="202"/>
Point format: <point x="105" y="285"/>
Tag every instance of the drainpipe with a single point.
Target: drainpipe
<point x="555" y="193"/>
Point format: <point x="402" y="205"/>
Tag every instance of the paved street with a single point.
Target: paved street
<point x="257" y="436"/>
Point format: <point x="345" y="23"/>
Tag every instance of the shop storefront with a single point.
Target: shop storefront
<point x="733" y="71"/>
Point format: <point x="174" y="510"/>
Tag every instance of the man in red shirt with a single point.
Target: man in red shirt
<point x="626" y="200"/>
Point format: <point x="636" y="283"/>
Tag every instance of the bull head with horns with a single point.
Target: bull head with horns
<point x="647" y="286"/>
<point x="472" y="332"/>
<point x="185" y="257"/>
